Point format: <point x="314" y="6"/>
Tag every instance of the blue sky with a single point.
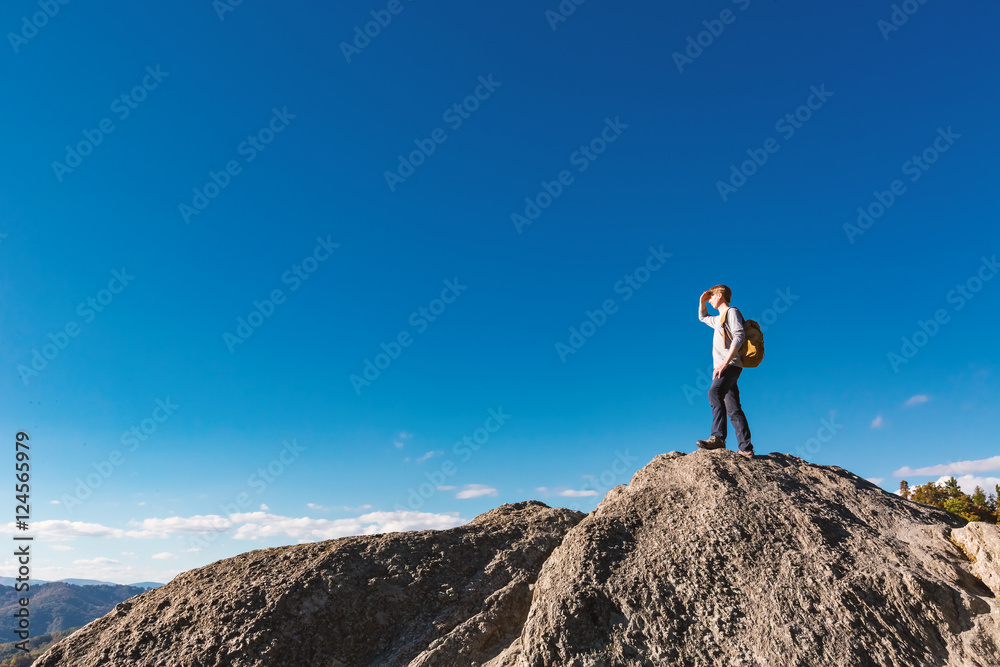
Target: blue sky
<point x="213" y="219"/>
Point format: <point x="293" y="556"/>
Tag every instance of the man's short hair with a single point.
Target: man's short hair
<point x="727" y="294"/>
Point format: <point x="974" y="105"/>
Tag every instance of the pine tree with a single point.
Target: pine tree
<point x="952" y="489"/>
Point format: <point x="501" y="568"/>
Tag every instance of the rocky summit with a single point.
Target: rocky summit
<point x="702" y="559"/>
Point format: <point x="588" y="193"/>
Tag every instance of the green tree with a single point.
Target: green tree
<point x="949" y="496"/>
<point x="929" y="494"/>
<point x="904" y="489"/>
<point x="952" y="489"/>
<point x="962" y="507"/>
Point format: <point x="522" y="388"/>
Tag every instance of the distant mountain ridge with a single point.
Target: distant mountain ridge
<point x="11" y="581"/>
<point x="59" y="606"/>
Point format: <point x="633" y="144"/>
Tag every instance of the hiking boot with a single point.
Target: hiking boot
<point x="747" y="454"/>
<point x="715" y="442"/>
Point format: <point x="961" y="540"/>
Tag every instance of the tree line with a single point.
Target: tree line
<point x="948" y="496"/>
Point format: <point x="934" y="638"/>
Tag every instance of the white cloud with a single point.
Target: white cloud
<point x="445" y="488"/>
<point x="429" y="455"/>
<point x="60" y="547"/>
<point x="256" y="525"/>
<point x="877" y="422"/>
<point x="339" y="508"/>
<point x="130" y="554"/>
<point x="968" y="483"/>
<point x="916" y="400"/>
<point x="403" y="435"/>
<point x="164" y="555"/>
<point x="264" y="507"/>
<point x="566" y="493"/>
<point x="54" y="502"/>
<point x="991" y="464"/>
<point x="60" y="529"/>
<point x="475" y="491"/>
<point x="100" y="560"/>
<point x="876" y="480"/>
<point x="207" y="523"/>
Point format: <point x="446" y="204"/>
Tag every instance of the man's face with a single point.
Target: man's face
<point x="715" y="300"/>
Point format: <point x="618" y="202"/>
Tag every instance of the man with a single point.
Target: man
<point x="724" y="395"/>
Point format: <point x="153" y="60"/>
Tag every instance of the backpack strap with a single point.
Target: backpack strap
<point x="725" y="334"/>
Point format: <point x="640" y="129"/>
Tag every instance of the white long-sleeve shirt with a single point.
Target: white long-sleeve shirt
<point x="734" y="322"/>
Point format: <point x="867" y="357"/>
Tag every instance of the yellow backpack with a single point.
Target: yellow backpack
<point x="752" y="350"/>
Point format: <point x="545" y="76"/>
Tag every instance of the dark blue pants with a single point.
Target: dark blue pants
<point x="724" y="397"/>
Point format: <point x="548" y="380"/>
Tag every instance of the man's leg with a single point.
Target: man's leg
<point x="717" y="399"/>
<point x="732" y="402"/>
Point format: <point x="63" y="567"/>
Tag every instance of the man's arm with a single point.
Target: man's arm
<point x="736" y="331"/>
<point x="703" y="315"/>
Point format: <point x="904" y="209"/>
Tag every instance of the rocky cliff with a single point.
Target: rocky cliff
<point x="703" y="559"/>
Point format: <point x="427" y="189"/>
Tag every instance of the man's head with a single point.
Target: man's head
<point x="720" y="294"/>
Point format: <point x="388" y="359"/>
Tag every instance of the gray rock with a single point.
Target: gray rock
<point x="981" y="543"/>
<point x="703" y="559"/>
<point x="710" y="559"/>
<point x="450" y="597"/>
